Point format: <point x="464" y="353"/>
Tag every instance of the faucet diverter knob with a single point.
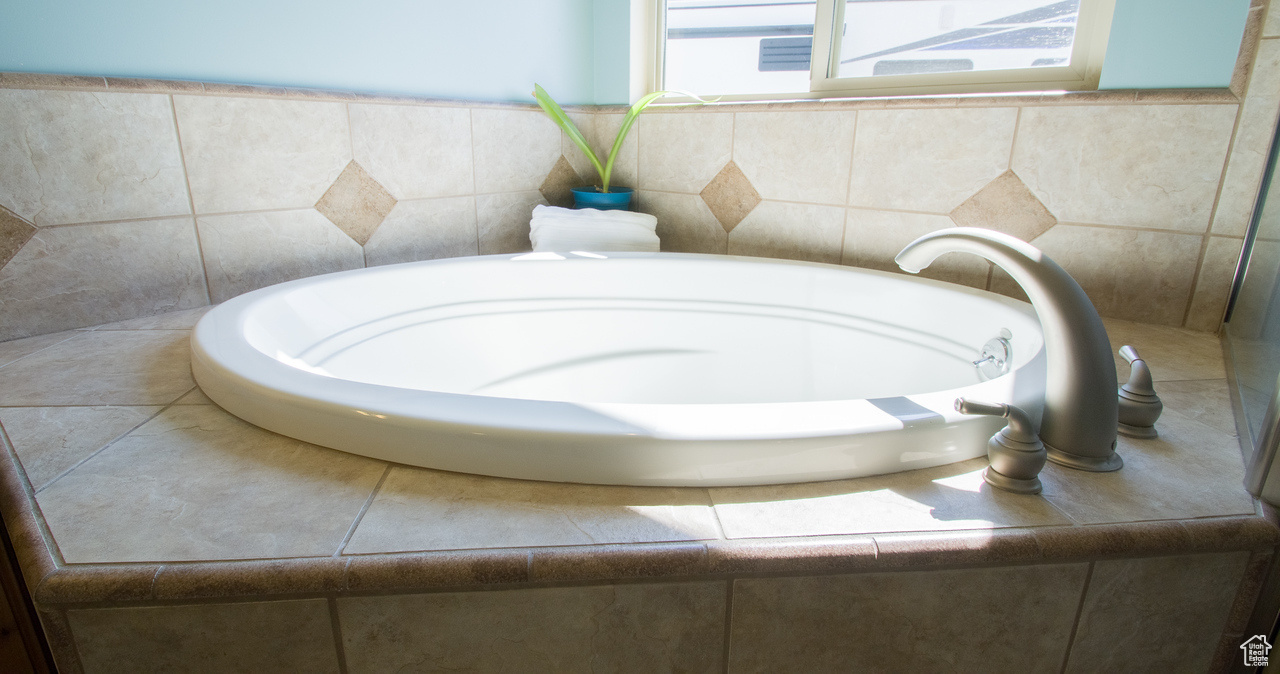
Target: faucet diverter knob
<point x="1139" y="404"/>
<point x="1015" y="451"/>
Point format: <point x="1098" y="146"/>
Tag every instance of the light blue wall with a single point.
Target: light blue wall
<point x="473" y="49"/>
<point x="479" y="49"/>
<point x="1157" y="44"/>
<point x="612" y="51"/>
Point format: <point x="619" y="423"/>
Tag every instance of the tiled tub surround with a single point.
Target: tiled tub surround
<point x="158" y="532"/>
<point x="129" y="198"/>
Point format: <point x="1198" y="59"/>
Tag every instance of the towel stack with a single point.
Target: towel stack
<point x="566" y="229"/>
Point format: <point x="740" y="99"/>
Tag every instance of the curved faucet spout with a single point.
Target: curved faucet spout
<point x="1080" y="404"/>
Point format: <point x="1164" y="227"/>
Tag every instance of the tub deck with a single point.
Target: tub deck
<point x="137" y="507"/>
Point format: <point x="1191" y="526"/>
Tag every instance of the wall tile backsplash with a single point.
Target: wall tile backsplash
<point x="128" y="202"/>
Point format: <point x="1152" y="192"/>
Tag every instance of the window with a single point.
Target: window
<point x="753" y="49"/>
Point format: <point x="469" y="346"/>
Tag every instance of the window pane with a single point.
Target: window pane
<point x="900" y="37"/>
<point x="738" y="47"/>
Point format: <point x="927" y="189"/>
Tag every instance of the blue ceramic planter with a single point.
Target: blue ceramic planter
<point x="616" y="199"/>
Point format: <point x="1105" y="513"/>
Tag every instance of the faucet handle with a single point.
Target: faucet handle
<point x="1015" y="451"/>
<point x="1139" y="404"/>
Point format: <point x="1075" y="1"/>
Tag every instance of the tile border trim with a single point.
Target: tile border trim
<point x="58" y="82"/>
<point x="160" y="583"/>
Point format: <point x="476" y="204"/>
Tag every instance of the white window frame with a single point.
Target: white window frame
<point x="1082" y="74"/>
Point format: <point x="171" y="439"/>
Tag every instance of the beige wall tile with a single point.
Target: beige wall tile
<point x="942" y="498"/>
<point x="147" y="367"/>
<point x="278" y="636"/>
<point x="1251" y="145"/>
<point x="1213" y="287"/>
<point x="586" y="123"/>
<point x="873" y="238"/>
<point x="49" y="440"/>
<point x="248" y="154"/>
<point x="14" y="233"/>
<point x="897" y="622"/>
<point x="676" y="627"/>
<point x="196" y="483"/>
<point x="1190" y="470"/>
<point x="730" y="196"/>
<point x="1143" y="165"/>
<point x="356" y="203"/>
<point x="503" y="221"/>
<point x="557" y="189"/>
<point x="626" y="166"/>
<point x="420" y="509"/>
<point x="791" y="231"/>
<point x="683" y="152"/>
<point x="796" y="156"/>
<point x="70" y="277"/>
<point x="425" y="230"/>
<point x="68" y="157"/>
<point x="928" y="160"/>
<point x="1138" y="275"/>
<point x="254" y="250"/>
<point x="1005" y="205"/>
<point x="513" y="149"/>
<point x="685" y="223"/>
<point x="1271" y="25"/>
<point x="1162" y="614"/>
<point x="416" y="152"/>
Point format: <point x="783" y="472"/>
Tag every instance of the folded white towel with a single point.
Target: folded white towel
<point x="565" y="229"/>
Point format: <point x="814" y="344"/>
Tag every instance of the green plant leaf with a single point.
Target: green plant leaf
<point x="630" y="119"/>
<point x="562" y="120"/>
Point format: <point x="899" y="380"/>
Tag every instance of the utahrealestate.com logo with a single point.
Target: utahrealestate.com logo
<point x="1255" y="651"/>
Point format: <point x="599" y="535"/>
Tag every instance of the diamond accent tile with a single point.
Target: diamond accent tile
<point x="730" y="196"/>
<point x="356" y="203"/>
<point x="557" y="188"/>
<point x="14" y="234"/>
<point x="1005" y="205"/>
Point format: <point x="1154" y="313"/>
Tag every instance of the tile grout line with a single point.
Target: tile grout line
<point x="475" y="203"/>
<point x="77" y="332"/>
<point x="285" y="209"/>
<point x="1013" y="142"/>
<point x="351" y="146"/>
<point x="191" y="200"/>
<point x="1075" y="625"/>
<point x="336" y="623"/>
<point x="1195" y="277"/>
<point x="848" y="188"/>
<point x="1217" y="198"/>
<point x="118" y="438"/>
<point x="728" y="624"/>
<point x="715" y="515"/>
<point x="363" y="509"/>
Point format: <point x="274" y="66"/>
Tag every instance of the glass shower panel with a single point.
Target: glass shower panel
<point x="1253" y="327"/>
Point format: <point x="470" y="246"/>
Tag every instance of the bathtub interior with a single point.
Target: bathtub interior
<point x="638" y="329"/>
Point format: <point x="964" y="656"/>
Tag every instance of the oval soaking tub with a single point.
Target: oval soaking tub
<point x="630" y="368"/>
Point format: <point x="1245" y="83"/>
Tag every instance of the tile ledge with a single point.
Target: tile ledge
<point x="457" y="570"/>
<point x="52" y="81"/>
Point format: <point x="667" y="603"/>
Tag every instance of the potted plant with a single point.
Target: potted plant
<point x="603" y="196"/>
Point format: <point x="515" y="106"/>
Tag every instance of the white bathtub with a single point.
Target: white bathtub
<point x="635" y="368"/>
